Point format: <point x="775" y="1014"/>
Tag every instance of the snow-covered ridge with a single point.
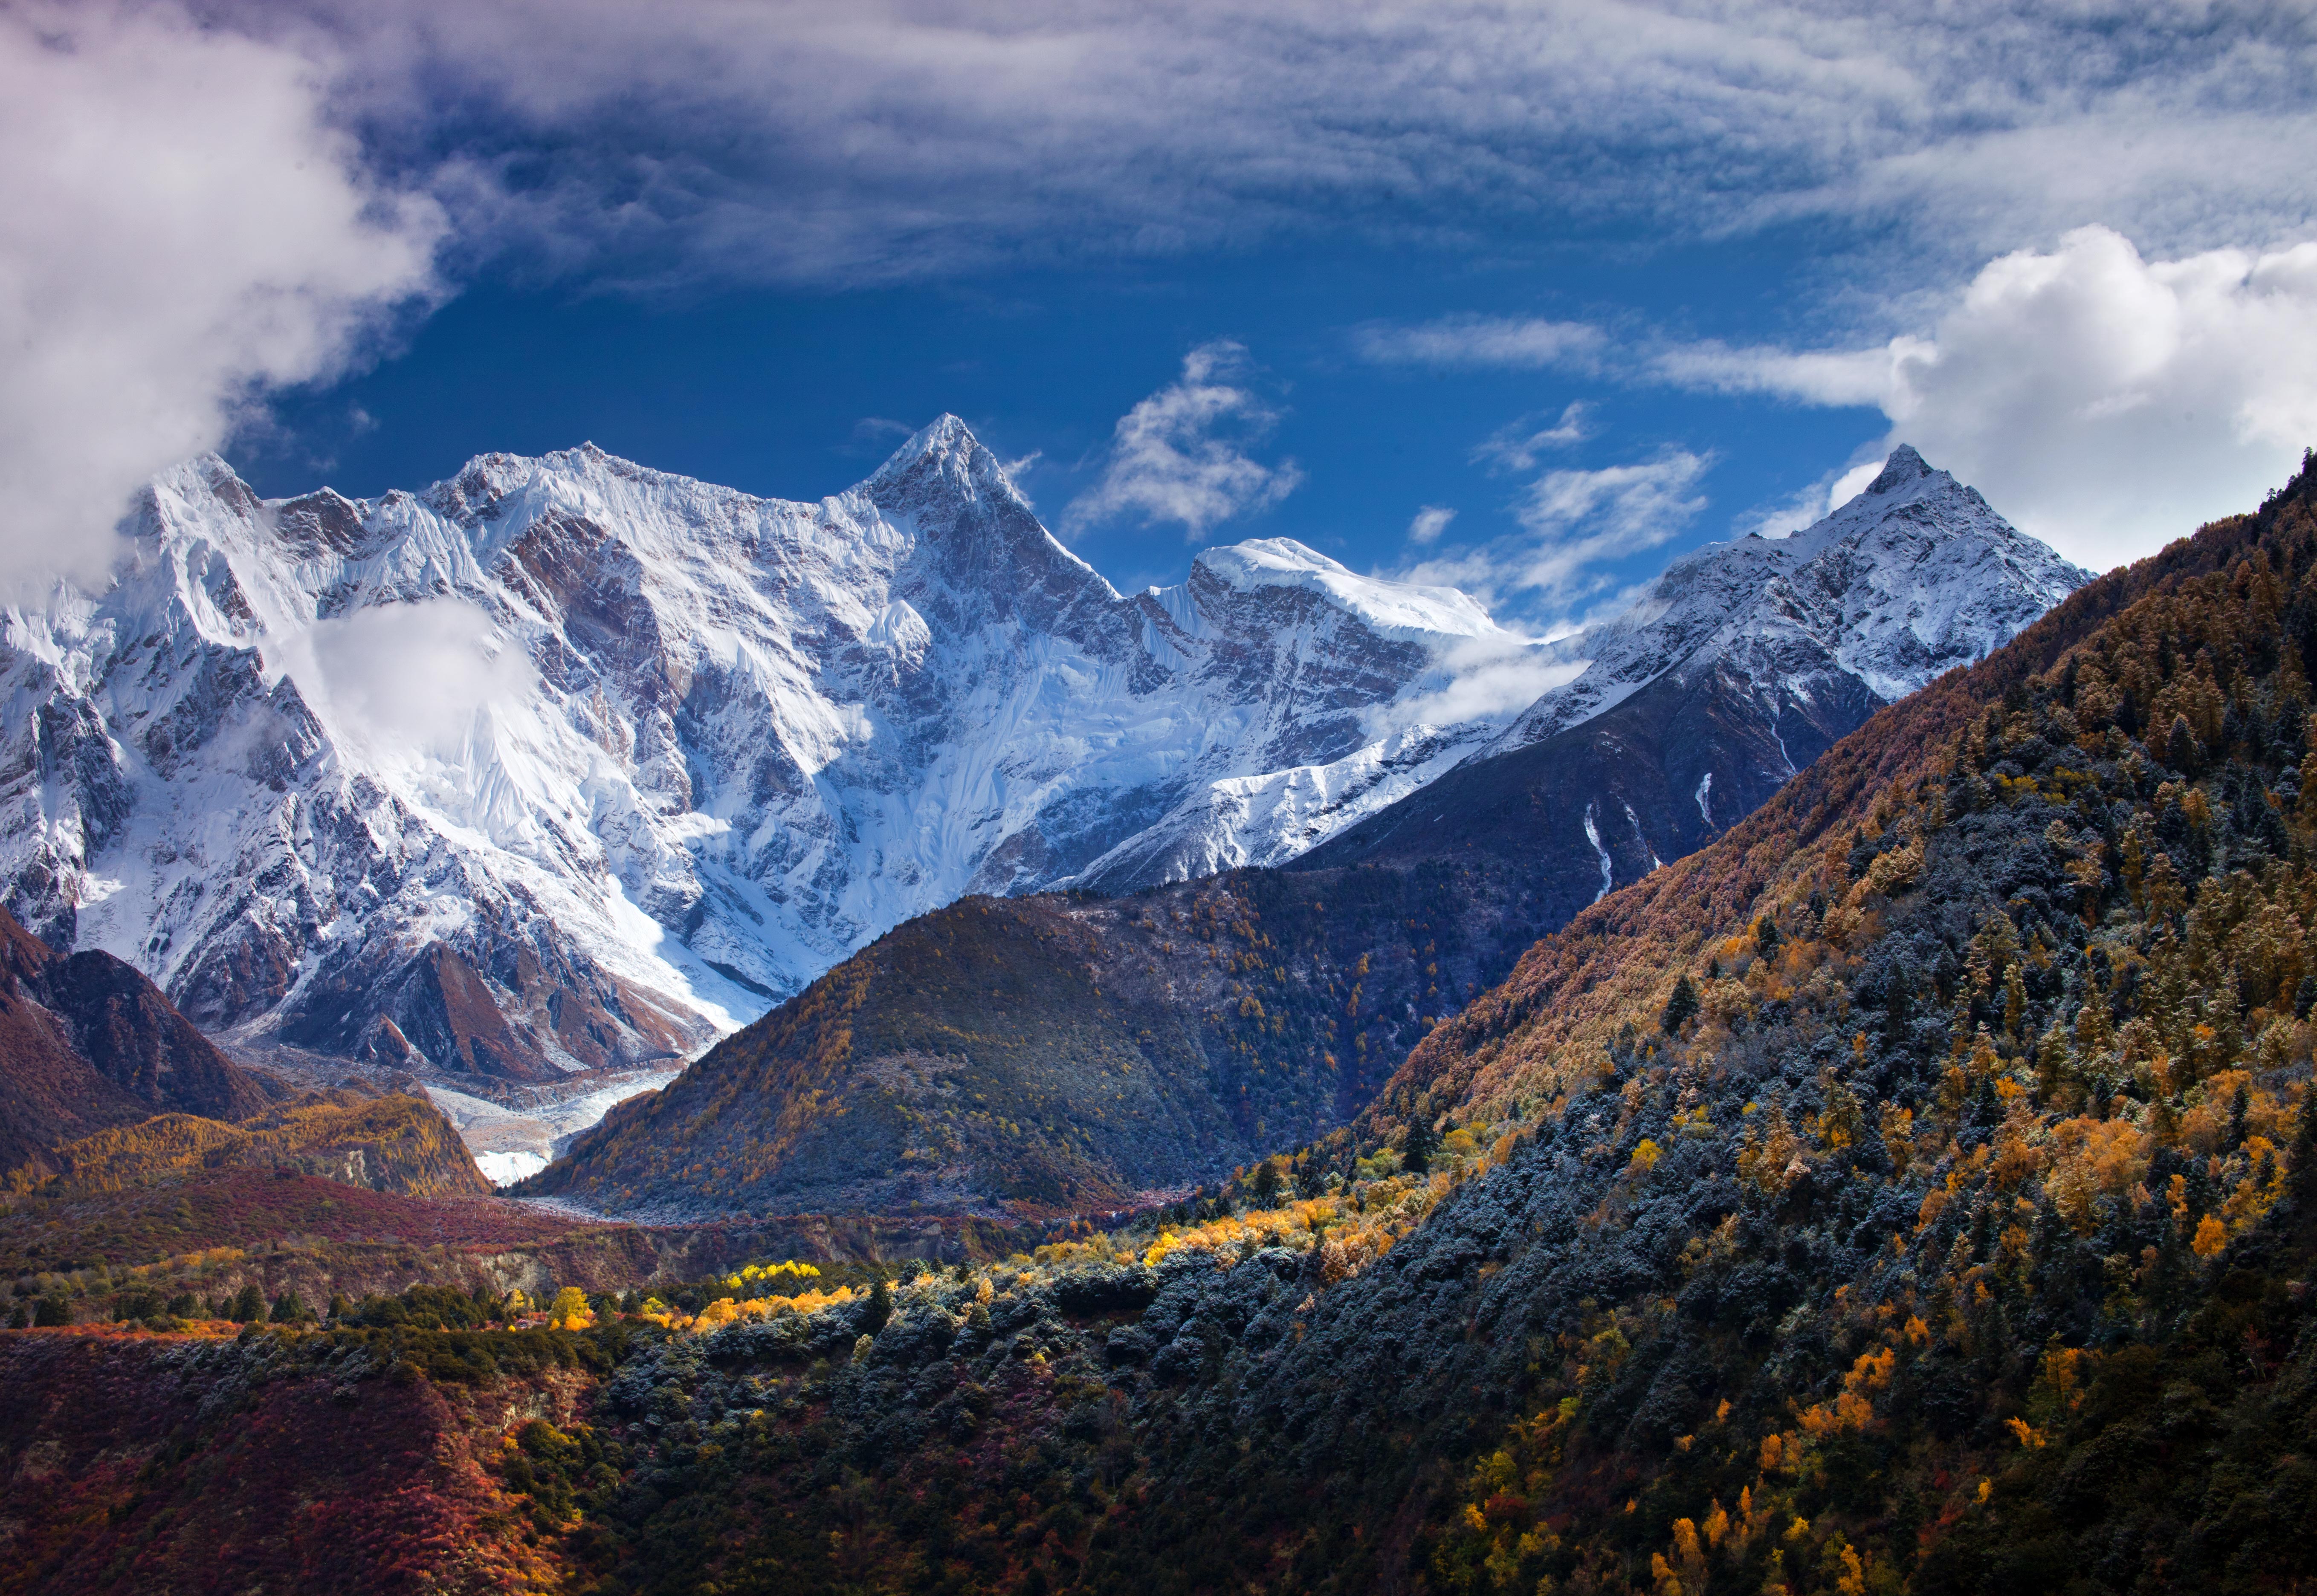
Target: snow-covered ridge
<point x="1910" y="578"/>
<point x="568" y="763"/>
<point x="1392" y="609"/>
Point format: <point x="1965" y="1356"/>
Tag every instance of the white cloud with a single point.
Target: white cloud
<point x="1585" y="517"/>
<point x="1490" y="679"/>
<point x="1574" y="521"/>
<point x="179" y="228"/>
<point x="1517" y="447"/>
<point x="405" y="680"/>
<point x="2104" y="402"/>
<point x="1430" y="522"/>
<point x="889" y="138"/>
<point x="1783" y="518"/>
<point x="1180" y="455"/>
<point x="1482" y="340"/>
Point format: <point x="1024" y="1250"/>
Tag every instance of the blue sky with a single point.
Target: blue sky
<point x="1603" y="280"/>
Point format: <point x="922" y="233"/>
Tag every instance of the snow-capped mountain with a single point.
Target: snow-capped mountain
<point x="1746" y="661"/>
<point x="568" y="763"/>
<point x="1913" y="577"/>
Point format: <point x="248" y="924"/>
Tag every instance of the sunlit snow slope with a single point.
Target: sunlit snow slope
<point x="567" y="763"/>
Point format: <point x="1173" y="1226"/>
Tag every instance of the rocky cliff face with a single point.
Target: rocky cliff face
<point x="565" y="764"/>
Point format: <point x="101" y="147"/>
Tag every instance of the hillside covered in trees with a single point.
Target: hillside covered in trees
<point x="1040" y="1057"/>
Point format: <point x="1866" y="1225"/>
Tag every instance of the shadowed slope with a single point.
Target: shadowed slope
<point x="1056" y="1053"/>
<point x="86" y="1043"/>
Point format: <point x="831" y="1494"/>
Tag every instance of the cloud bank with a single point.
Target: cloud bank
<point x="2105" y="402"/>
<point x="697" y="139"/>
<point x="179" y="228"/>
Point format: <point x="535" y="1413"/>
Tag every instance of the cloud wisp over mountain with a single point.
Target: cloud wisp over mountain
<point x="1181" y="455"/>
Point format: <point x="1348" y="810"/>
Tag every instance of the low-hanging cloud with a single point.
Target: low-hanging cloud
<point x="1488" y="679"/>
<point x="180" y="230"/>
<point x="1181" y="454"/>
<point x="406" y="680"/>
<point x="2103" y="401"/>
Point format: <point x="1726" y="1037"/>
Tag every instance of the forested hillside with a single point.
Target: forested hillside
<point x="1051" y="1054"/>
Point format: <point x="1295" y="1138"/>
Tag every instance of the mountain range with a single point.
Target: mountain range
<point x="1048" y="1054"/>
<point x="565" y="766"/>
<point x="1912" y="1189"/>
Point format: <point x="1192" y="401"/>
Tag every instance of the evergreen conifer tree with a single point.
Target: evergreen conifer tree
<point x="1681" y="1006"/>
<point x="1415" y="1151"/>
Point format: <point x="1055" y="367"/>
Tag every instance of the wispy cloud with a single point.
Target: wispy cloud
<point x="1429" y="523"/>
<point x="694" y="139"/>
<point x="1464" y="341"/>
<point x="1573" y="521"/>
<point x="1181" y="455"/>
<point x="1518" y="447"/>
<point x="1583" y="517"/>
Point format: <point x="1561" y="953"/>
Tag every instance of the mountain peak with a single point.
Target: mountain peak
<point x="946" y="438"/>
<point x="1904" y="467"/>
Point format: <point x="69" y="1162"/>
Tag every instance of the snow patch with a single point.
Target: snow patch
<point x="1593" y="835"/>
<point x="1635" y="821"/>
<point x="504" y="1169"/>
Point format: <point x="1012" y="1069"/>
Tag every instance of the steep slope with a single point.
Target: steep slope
<point x="1746" y="662"/>
<point x="87" y="1043"/>
<point x="1906" y="1257"/>
<point x="1059" y="1053"/>
<point x="1910" y="575"/>
<point x="567" y="764"/>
